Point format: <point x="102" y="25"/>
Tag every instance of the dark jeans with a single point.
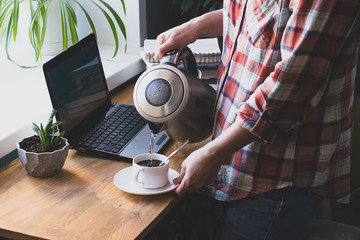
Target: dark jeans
<point x="283" y="214"/>
<point x="277" y="215"/>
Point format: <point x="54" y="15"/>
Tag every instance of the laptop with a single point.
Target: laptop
<point x="78" y="90"/>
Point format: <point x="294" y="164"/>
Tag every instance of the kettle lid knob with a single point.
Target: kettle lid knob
<point x="158" y="92"/>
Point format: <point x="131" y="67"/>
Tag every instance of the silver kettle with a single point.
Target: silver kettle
<point x="175" y="100"/>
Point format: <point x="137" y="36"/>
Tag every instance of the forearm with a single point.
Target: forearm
<point x="230" y="141"/>
<point x="202" y="166"/>
<point x="207" y="25"/>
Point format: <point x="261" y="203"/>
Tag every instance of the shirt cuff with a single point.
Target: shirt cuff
<point x="260" y="125"/>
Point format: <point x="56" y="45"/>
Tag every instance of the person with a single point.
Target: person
<point x="283" y="114"/>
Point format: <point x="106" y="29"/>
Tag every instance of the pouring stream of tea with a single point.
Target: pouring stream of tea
<point x="152" y="140"/>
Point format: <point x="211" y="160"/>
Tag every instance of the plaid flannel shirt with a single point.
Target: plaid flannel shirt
<point x="287" y="75"/>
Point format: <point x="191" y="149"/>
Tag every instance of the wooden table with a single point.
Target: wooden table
<point x="81" y="202"/>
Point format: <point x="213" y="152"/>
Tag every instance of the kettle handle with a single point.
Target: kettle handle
<point x="189" y="62"/>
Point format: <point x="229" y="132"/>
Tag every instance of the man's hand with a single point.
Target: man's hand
<point x="175" y="38"/>
<point x="206" y="25"/>
<point x="198" y="169"/>
<point x="201" y="167"/>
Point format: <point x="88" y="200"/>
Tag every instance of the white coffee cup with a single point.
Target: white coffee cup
<point x="150" y="177"/>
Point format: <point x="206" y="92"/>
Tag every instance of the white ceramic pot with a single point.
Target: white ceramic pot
<point x="45" y="164"/>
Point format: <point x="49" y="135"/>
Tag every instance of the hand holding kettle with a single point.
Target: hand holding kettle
<point x="175" y="38"/>
<point x="176" y="100"/>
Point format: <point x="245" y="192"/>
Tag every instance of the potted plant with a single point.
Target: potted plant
<point x="44" y="154"/>
<point x="39" y="14"/>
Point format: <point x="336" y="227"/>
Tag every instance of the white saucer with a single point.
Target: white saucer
<point x="123" y="180"/>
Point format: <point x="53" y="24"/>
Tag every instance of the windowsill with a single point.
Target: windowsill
<point x="24" y="96"/>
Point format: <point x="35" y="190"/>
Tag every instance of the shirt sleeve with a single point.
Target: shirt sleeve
<point x="312" y="44"/>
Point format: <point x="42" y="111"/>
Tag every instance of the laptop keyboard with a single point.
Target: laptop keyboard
<point x="115" y="131"/>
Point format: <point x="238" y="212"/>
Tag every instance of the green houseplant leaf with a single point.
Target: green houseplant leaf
<point x="39" y="10"/>
<point x="47" y="136"/>
<point x="118" y="20"/>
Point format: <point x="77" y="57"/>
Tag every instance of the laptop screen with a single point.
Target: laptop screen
<point x="76" y="82"/>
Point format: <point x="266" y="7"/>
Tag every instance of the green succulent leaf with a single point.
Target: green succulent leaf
<point x="58" y="139"/>
<point x="36" y="128"/>
<point x="53" y="112"/>
<point x="46" y="134"/>
<point x="55" y="125"/>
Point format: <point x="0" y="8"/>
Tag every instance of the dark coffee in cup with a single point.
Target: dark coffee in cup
<point x="149" y="163"/>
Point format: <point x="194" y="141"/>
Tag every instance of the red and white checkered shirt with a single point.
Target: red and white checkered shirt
<point x="287" y="75"/>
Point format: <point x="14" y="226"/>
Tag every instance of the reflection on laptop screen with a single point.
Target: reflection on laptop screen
<point x="78" y="85"/>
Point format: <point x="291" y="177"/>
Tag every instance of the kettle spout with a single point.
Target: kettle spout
<point x="156" y="127"/>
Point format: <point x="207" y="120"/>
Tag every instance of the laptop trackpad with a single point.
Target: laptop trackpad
<point x="141" y="143"/>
